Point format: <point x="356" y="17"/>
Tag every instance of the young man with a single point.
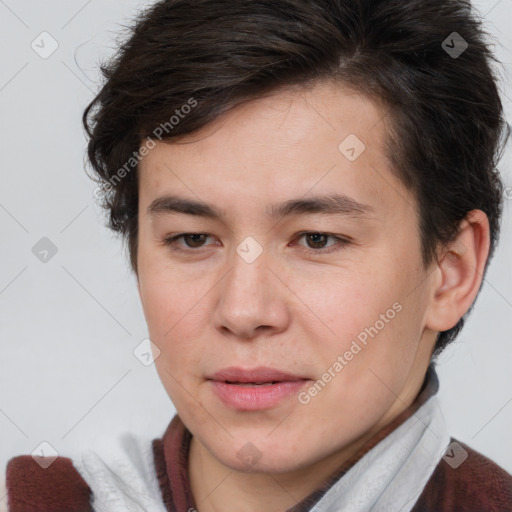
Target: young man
<point x="309" y="194"/>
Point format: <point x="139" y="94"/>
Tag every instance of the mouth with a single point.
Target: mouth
<point x="249" y="384"/>
<point x="259" y="375"/>
<point x="256" y="388"/>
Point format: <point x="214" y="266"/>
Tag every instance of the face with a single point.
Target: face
<point x="301" y="267"/>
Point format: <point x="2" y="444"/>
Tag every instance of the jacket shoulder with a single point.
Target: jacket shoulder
<point x="466" y="481"/>
<point x="35" y="487"/>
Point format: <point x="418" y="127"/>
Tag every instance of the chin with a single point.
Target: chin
<point x="248" y="456"/>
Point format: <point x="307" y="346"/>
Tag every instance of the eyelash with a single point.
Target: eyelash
<point x="340" y="242"/>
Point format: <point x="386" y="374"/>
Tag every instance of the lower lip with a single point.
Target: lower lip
<point x="253" y="398"/>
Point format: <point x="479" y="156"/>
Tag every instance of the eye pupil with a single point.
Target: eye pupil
<point x="315" y="235"/>
<point x="194" y="236"/>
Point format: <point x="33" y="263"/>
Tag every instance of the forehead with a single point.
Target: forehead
<point x="290" y="143"/>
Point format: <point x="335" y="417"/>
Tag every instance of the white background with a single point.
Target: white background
<point x="68" y="375"/>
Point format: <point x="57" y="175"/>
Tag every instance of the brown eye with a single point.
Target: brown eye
<point x="316" y="243"/>
<point x="186" y="242"/>
<point x="195" y="239"/>
<point x="318" y="240"/>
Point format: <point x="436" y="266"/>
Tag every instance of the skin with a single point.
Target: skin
<point x="291" y="309"/>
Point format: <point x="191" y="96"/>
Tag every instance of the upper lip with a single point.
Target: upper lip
<point x="254" y="375"/>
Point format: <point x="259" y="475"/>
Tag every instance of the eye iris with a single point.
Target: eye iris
<point x="315" y="235"/>
<point x="195" y="236"/>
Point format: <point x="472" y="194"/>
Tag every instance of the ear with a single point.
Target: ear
<point x="460" y="271"/>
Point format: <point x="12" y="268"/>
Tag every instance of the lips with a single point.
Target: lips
<point x="259" y="375"/>
<point x="256" y="388"/>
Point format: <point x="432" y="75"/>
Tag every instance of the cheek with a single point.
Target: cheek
<point x="166" y="297"/>
<point x="370" y="317"/>
<point x="172" y="316"/>
<point x="341" y="303"/>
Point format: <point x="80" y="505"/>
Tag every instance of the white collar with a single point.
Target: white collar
<point x="392" y="475"/>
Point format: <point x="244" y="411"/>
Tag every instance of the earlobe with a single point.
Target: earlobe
<point x="461" y="266"/>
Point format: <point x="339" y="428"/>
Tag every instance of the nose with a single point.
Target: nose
<point x="252" y="299"/>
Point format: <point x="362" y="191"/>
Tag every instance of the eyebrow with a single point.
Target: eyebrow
<point x="332" y="204"/>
